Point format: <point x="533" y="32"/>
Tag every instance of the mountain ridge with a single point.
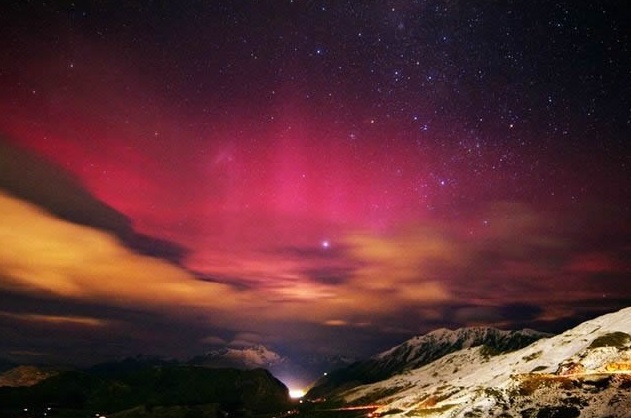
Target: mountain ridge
<point x="418" y="351"/>
<point x="143" y="388"/>
<point x="585" y="371"/>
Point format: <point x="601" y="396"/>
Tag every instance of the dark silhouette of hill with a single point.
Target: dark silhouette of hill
<point x="132" y="385"/>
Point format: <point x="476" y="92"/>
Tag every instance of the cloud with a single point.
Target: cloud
<point x="321" y="251"/>
<point x="43" y="254"/>
<point x="408" y="254"/>
<point x="597" y="262"/>
<point x="330" y="275"/>
<point x="214" y="340"/>
<point x="336" y="323"/>
<point x="42" y="183"/>
<point x="247" y="339"/>
<point x="498" y="315"/>
<point x="405" y="267"/>
<point x="521" y="267"/>
<point x="57" y="320"/>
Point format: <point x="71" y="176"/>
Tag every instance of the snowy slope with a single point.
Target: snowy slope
<point x="424" y="349"/>
<point x="582" y="372"/>
<point x="419" y="351"/>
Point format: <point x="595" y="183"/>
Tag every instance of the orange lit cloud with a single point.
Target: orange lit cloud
<point x="390" y="274"/>
<point x="57" y="319"/>
<point x="404" y="265"/>
<point x="45" y="254"/>
<point x="336" y="323"/>
<point x="364" y="278"/>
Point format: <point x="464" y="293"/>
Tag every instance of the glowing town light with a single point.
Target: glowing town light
<point x="296" y="393"/>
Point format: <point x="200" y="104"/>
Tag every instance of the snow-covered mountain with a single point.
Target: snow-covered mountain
<point x="584" y="372"/>
<point x="419" y="351"/>
<point x="257" y="356"/>
<point x="424" y="349"/>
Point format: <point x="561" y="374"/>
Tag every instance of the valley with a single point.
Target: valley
<point x="472" y="372"/>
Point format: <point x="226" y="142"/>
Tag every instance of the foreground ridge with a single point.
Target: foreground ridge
<point x="419" y="351"/>
<point x="583" y="372"/>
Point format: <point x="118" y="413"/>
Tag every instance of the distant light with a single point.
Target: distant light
<point x="296" y="393"/>
<point x="326" y="244"/>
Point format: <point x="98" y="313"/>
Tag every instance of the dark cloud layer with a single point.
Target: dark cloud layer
<point x="40" y="329"/>
<point x="34" y="179"/>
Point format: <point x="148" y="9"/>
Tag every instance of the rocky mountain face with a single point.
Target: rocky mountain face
<point x="584" y="372"/>
<point x="419" y="351"/>
<point x="152" y="391"/>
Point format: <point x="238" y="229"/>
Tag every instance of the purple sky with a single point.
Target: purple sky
<point x="321" y="177"/>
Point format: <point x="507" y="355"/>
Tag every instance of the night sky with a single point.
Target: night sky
<point x="320" y="177"/>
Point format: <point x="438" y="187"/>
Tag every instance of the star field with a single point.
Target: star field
<point x="315" y="173"/>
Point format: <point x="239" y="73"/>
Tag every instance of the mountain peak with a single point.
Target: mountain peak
<point x="250" y="357"/>
<point x="462" y="338"/>
<point x="422" y="350"/>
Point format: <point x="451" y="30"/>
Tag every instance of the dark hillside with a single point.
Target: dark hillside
<point x="147" y="388"/>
